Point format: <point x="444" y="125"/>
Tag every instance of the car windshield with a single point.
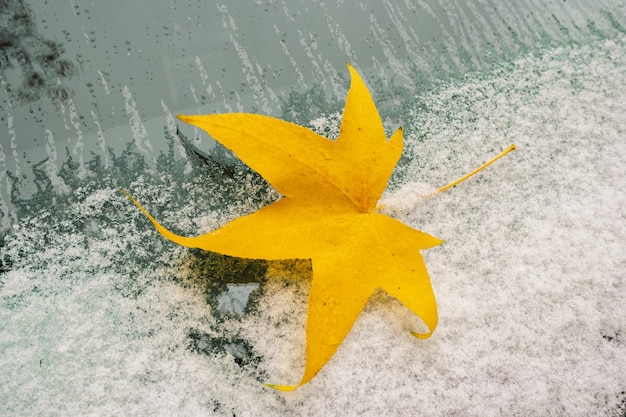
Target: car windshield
<point x="99" y="315"/>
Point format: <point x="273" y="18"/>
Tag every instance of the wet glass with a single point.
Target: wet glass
<point x="88" y="96"/>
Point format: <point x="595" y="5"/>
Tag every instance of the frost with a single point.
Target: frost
<point x="100" y="316"/>
<point x="406" y="199"/>
<point x="327" y="126"/>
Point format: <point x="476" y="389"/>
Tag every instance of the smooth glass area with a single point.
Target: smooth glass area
<point x="99" y="315"/>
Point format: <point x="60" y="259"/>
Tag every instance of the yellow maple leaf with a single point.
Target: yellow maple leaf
<point x="328" y="215"/>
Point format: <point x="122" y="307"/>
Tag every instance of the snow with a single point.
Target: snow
<point x="99" y="316"/>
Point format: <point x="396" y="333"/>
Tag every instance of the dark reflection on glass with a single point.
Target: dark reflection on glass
<point x="38" y="59"/>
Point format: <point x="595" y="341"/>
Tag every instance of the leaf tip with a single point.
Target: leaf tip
<point x="422" y="335"/>
<point x="353" y="72"/>
<point x="189" y="119"/>
<point x="284" y="388"/>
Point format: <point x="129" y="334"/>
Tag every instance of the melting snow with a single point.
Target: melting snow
<point x="100" y="316"/>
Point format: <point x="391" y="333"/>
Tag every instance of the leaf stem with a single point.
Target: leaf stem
<point x="480" y="168"/>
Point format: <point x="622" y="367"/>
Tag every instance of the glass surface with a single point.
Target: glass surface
<point x="101" y="316"/>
